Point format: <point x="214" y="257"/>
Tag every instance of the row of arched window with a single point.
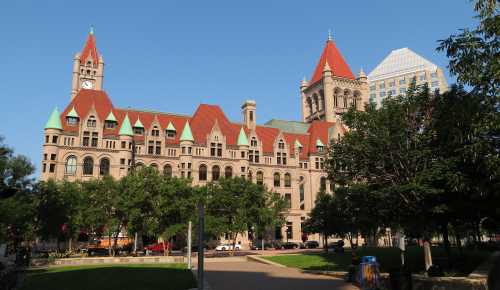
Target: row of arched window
<point x="88" y="166"/>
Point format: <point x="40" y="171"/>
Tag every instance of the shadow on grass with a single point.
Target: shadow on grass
<point x="120" y="277"/>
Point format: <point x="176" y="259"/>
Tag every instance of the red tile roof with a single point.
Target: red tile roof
<point x="90" y="49"/>
<point x="332" y="56"/>
<point x="202" y="122"/>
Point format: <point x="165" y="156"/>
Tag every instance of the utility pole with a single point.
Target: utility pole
<point x="201" y="238"/>
<point x="189" y="246"/>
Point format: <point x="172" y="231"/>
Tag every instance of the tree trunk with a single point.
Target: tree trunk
<point x="446" y="240"/>
<point x="427" y="255"/>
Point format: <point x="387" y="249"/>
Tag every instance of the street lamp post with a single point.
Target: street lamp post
<point x="201" y="230"/>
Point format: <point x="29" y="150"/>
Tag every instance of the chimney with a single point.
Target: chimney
<point x="248" y="110"/>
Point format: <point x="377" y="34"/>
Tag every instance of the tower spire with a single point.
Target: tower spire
<point x="91" y="30"/>
<point x="330" y="37"/>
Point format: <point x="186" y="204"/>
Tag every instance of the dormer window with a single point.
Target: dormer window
<point x="320" y="146"/>
<point x="281" y="144"/>
<point x="91" y="122"/>
<point x="72" y="117"/>
<point x="253" y="142"/>
<point x="72" y="121"/>
<point x="109" y="124"/>
<point x="138" y="131"/>
<point x="170" y="131"/>
<point x="155" y="131"/>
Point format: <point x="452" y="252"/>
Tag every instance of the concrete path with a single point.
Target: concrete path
<point x="238" y="273"/>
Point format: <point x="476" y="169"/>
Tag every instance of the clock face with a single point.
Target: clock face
<point x="87" y="84"/>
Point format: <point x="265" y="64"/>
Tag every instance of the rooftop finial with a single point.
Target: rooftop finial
<point x="330" y="37"/>
<point x="92" y="29"/>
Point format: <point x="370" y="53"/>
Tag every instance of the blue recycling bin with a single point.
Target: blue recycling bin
<point x="368" y="273"/>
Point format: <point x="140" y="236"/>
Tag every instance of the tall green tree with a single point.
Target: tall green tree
<point x="236" y="205"/>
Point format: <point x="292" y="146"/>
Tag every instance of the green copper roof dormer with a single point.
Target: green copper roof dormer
<point x="138" y="124"/>
<point x="54" y="121"/>
<point x="187" y="135"/>
<point x="297" y="143"/>
<point x="319" y="143"/>
<point x="170" y="127"/>
<point x="242" y="138"/>
<point x="126" y="128"/>
<point x="111" y="117"/>
<point x="72" y="113"/>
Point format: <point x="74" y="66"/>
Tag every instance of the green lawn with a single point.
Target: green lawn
<point x="388" y="258"/>
<point x="111" y="277"/>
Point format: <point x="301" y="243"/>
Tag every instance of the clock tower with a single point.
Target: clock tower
<point x="88" y="67"/>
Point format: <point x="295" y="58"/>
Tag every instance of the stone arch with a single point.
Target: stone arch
<point x="202" y="172"/>
<point x="309" y="105"/>
<point x="316" y="101"/>
<point x="167" y="170"/>
<point x="336" y="94"/>
<point x="88" y="165"/>
<point x="322" y="99"/>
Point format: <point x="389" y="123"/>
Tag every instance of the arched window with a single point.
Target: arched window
<point x="277" y="179"/>
<point x="91" y="122"/>
<point x="88" y="166"/>
<point x="228" y="172"/>
<point x="202" y="172"/>
<point x="281" y="144"/>
<point x="260" y="177"/>
<point x="139" y="165"/>
<point x="154" y="165"/>
<point x="253" y="142"/>
<point x="71" y="165"/>
<point x="104" y="166"/>
<point x="215" y="172"/>
<point x="316" y="102"/>
<point x="310" y="106"/>
<point x="250" y="175"/>
<point x="322" y="99"/>
<point x="167" y="170"/>
<point x="322" y="186"/>
<point x="288" y="180"/>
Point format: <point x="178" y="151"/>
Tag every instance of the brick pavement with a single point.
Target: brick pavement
<point x="240" y="274"/>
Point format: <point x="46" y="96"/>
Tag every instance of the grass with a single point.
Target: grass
<point x="111" y="277"/>
<point x="389" y="258"/>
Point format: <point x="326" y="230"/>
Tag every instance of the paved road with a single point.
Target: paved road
<point x="238" y="273"/>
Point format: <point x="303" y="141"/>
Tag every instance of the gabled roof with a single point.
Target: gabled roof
<point x="111" y="117"/>
<point x="170" y="127"/>
<point x="90" y="50"/>
<point x="199" y="126"/>
<point x="398" y="62"/>
<point x="242" y="138"/>
<point x="126" y="128"/>
<point x="138" y="124"/>
<point x="332" y="57"/>
<point x="83" y="103"/>
<point x="54" y="121"/>
<point x="187" y="135"/>
<point x="72" y="113"/>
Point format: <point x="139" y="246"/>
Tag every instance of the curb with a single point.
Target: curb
<point x="264" y="261"/>
<point x="336" y="274"/>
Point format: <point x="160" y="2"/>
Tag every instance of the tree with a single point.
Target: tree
<point x="17" y="199"/>
<point x="236" y="205"/>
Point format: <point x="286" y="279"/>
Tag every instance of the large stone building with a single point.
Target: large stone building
<point x="398" y="70"/>
<point x="91" y="137"/>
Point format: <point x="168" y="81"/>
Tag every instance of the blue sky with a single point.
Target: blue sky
<point x="173" y="55"/>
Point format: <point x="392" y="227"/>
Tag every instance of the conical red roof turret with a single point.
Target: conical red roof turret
<point x="90" y="50"/>
<point x="331" y="56"/>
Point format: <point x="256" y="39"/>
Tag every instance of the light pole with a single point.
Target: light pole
<point x="201" y="229"/>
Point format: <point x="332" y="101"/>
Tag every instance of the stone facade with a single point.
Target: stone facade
<point x="91" y="138"/>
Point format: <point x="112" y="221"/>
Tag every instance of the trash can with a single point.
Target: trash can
<point x="368" y="273"/>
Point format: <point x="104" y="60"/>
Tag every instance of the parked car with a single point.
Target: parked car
<point x="258" y="245"/>
<point x="289" y="245"/>
<point x="228" y="247"/>
<point x="311" y="245"/>
<point x="157" y="248"/>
